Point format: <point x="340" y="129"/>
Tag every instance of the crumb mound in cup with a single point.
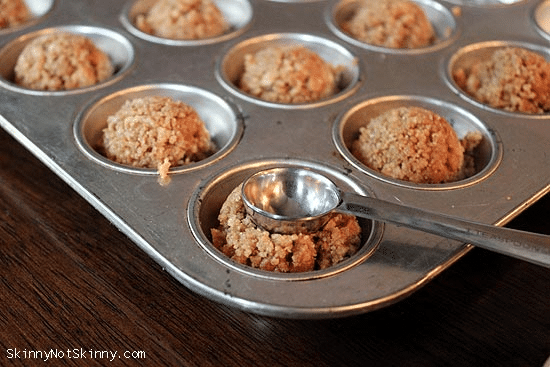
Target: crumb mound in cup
<point x="183" y="20"/>
<point x="513" y="79"/>
<point x="13" y="13"/>
<point x="289" y="74"/>
<point x="61" y="61"/>
<point x="390" y="23"/>
<point x="156" y="132"/>
<point x="239" y="238"/>
<point x="417" y="145"/>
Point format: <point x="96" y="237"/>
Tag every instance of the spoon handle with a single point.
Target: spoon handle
<point x="527" y="246"/>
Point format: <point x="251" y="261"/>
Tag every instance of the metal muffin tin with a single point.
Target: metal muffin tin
<point x="172" y="223"/>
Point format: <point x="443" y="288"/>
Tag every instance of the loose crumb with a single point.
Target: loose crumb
<point x="457" y="11"/>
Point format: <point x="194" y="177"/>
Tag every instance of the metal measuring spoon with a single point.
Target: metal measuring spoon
<point x="297" y="200"/>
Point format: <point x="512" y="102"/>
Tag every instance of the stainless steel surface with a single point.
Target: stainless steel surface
<point x="172" y="223"/>
<point x="296" y="200"/>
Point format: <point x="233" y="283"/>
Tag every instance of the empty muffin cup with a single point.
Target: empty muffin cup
<point x="318" y="52"/>
<point x="442" y="20"/>
<point x="222" y="121"/>
<point x="483" y="159"/>
<point x="205" y="204"/>
<point x="117" y="48"/>
<point x="237" y="14"/>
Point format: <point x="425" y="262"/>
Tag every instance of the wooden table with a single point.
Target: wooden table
<point x="75" y="287"/>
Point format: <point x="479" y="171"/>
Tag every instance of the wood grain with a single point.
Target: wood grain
<point x="70" y="280"/>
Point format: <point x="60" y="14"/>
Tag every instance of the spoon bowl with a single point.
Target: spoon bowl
<point x="289" y="200"/>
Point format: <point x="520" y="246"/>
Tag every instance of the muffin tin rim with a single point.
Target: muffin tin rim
<point x="344" y="151"/>
<point x="127" y="23"/>
<point x="330" y="19"/>
<point x="304" y="38"/>
<point x="91" y="153"/>
<point x="368" y="245"/>
<point x="489" y="44"/>
<point x="78" y="29"/>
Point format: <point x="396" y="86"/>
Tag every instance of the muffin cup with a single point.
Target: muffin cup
<point x="205" y="203"/>
<point x="222" y="121"/>
<point x="238" y="13"/>
<point x="230" y="66"/>
<point x="487" y="155"/>
<point x="476" y="52"/>
<point x="442" y="20"/>
<point x="116" y="46"/>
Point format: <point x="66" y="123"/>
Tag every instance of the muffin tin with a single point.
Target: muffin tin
<point x="172" y="223"/>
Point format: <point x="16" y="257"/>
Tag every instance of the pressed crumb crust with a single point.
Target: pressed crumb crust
<point x="390" y="23"/>
<point x="13" y="12"/>
<point x="183" y="20"/>
<point x="416" y="145"/>
<point x="513" y="79"/>
<point x="156" y="132"/>
<point x="241" y="240"/>
<point x="292" y="74"/>
<point x="61" y="61"/>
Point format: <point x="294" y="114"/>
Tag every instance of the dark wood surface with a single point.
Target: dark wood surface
<point x="70" y="281"/>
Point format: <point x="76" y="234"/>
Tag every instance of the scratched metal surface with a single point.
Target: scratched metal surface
<point x="171" y="223"/>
